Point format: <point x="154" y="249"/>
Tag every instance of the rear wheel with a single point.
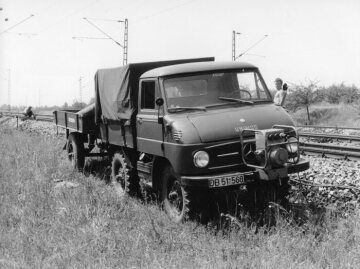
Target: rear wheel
<point x="124" y="178"/>
<point x="120" y="174"/>
<point x="75" y="151"/>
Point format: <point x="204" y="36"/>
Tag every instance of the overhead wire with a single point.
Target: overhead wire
<point x="12" y="27"/>
<point x="103" y="32"/>
<point x="243" y="53"/>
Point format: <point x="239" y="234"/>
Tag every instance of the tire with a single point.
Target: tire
<point x="120" y="174"/>
<point x="173" y="196"/>
<point x="124" y="179"/>
<point x="75" y="150"/>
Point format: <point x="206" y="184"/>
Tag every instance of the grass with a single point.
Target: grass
<point x="46" y="225"/>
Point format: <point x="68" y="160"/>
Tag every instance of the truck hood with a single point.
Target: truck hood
<point x="215" y="125"/>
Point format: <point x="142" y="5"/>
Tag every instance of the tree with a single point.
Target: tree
<point x="304" y="95"/>
<point x="340" y="93"/>
<point x="78" y="105"/>
<point x="65" y="106"/>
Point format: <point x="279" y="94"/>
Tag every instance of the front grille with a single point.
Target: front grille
<point x="225" y="155"/>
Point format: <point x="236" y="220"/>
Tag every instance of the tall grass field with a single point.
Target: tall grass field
<point x="53" y="217"/>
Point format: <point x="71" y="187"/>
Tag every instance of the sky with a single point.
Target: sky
<point x="41" y="62"/>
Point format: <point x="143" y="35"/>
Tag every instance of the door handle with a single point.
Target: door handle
<point x="139" y="120"/>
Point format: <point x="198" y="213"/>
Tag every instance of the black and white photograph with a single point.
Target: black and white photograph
<point x="179" y="134"/>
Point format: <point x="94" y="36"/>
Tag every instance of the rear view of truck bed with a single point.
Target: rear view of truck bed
<point x="81" y="121"/>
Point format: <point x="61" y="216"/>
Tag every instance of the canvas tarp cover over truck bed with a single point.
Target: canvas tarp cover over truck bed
<point x="116" y="89"/>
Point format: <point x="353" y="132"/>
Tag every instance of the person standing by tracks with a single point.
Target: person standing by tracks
<point x="28" y="112"/>
<point x="280" y="95"/>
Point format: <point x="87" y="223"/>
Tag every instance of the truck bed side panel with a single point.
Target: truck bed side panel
<point x="74" y="122"/>
<point x="112" y="134"/>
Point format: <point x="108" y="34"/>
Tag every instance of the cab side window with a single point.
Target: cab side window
<point x="148" y="95"/>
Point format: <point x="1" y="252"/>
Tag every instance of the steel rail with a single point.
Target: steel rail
<point x="330" y="136"/>
<point x="328" y="127"/>
<point x="331" y="151"/>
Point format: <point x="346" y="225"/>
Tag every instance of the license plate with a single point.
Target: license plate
<point x="226" y="181"/>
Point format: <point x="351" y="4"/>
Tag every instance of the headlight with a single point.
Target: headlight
<point x="292" y="145"/>
<point x="201" y="159"/>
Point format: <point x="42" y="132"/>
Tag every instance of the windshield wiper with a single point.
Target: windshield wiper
<point x="182" y="108"/>
<point x="236" y="100"/>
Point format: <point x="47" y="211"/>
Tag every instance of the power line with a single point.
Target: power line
<point x="103" y="32"/>
<point x="100" y="19"/>
<point x="22" y="34"/>
<point x="265" y="36"/>
<point x="17" y="24"/>
<point x="89" y="37"/>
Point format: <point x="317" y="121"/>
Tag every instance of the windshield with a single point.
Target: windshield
<point x="215" y="89"/>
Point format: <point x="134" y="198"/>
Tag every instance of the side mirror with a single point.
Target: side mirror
<point x="159" y="101"/>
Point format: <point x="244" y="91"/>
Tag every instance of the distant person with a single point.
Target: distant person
<point x="28" y="112"/>
<point x="280" y="94"/>
<point x="285" y="88"/>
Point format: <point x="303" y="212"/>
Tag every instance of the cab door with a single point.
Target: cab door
<point x="149" y="131"/>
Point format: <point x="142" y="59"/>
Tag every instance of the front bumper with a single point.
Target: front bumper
<point x="204" y="181"/>
<point x="302" y="165"/>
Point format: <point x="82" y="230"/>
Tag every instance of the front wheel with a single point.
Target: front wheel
<point x="174" y="196"/>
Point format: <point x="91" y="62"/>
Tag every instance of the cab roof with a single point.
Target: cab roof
<point x="195" y="68"/>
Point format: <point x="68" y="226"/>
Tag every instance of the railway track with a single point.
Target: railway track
<point x="330" y="150"/>
<point x="20" y="115"/>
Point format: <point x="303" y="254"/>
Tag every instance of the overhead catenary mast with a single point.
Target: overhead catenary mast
<point x="9" y="89"/>
<point x="39" y="96"/>
<point x="80" y="90"/>
<point x="234" y="45"/>
<point x="125" y="49"/>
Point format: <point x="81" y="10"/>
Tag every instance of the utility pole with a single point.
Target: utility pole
<point x="233" y="47"/>
<point x="39" y="97"/>
<point x="9" y="89"/>
<point x="125" y="53"/>
<point x="233" y="56"/>
<point x="80" y="90"/>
